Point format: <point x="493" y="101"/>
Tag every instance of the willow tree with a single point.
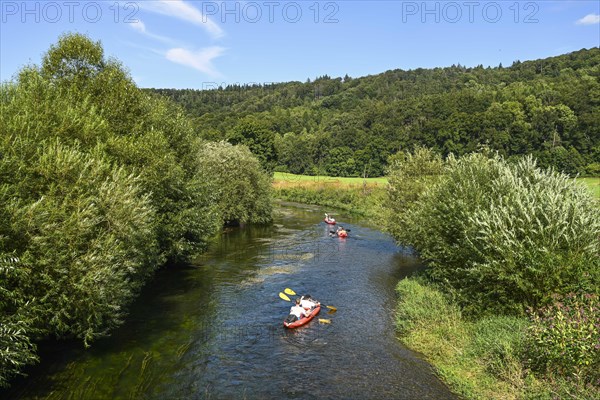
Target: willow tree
<point x="147" y="135"/>
<point x="243" y="188"/>
<point x="99" y="185"/>
<point x="503" y="237"/>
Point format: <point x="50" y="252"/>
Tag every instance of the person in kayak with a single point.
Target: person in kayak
<point x="308" y="303"/>
<point x="298" y="311"/>
<point x="328" y="218"/>
<point x="341" y="231"/>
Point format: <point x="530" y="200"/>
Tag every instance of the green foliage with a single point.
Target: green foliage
<point x="487" y="358"/>
<point x="79" y="227"/>
<point x="87" y="101"/>
<point x="16" y="349"/>
<point x="564" y="338"/>
<point x="99" y="185"/>
<point x="296" y="152"/>
<point x="243" y="189"/>
<point x="258" y="137"/>
<point x="530" y="107"/>
<point x="74" y="58"/>
<point x="502" y="237"/>
<point x="410" y="174"/>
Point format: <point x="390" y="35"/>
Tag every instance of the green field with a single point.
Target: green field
<point x="292" y="178"/>
<point x="593" y="184"/>
<point x="286" y="179"/>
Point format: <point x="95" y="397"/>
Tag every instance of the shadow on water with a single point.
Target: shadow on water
<point x="214" y="329"/>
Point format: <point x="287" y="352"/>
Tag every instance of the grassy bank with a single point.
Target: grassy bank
<point x="357" y="195"/>
<point x="283" y="178"/>
<point x="478" y="359"/>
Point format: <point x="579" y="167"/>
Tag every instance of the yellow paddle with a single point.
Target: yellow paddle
<point x="284" y="297"/>
<point x="292" y="293"/>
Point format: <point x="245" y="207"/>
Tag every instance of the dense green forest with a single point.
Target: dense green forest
<point x="100" y="185"/>
<point x="348" y="127"/>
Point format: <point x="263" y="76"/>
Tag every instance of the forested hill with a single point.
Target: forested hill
<point x="348" y="127"/>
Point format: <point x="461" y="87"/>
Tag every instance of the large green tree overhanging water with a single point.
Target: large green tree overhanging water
<point x="100" y="184"/>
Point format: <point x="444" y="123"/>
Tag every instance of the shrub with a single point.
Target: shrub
<point x="564" y="338"/>
<point x="501" y="237"/>
<point x="82" y="230"/>
<point x="409" y="176"/>
<point x="99" y="185"/>
<point x="242" y="188"/>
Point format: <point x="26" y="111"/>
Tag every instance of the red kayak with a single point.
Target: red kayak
<point x="304" y="320"/>
<point x="330" y="221"/>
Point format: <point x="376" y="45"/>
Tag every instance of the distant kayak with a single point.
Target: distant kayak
<point x="330" y="221"/>
<point x="304" y="320"/>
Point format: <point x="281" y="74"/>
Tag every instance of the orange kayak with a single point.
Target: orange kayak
<point x="304" y="320"/>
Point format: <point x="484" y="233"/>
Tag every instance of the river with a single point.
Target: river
<point x="213" y="330"/>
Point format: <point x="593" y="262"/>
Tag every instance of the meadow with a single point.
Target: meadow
<point x="283" y="180"/>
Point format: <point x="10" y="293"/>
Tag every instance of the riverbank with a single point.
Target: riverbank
<point x="477" y="359"/>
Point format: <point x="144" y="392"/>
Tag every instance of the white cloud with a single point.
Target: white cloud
<point x="184" y="11"/>
<point x="200" y="60"/>
<point x="141" y="27"/>
<point x="590" y="19"/>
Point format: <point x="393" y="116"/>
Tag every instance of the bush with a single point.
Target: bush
<point x="82" y="230"/>
<point x="409" y="176"/>
<point x="564" y="338"/>
<point x="99" y="185"/>
<point x="502" y="237"/>
<point x="242" y="188"/>
<point x="16" y="349"/>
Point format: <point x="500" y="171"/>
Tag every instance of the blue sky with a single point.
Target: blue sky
<point x="203" y="44"/>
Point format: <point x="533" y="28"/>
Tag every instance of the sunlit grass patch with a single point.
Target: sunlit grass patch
<point x="286" y="180"/>
<point x="594" y="184"/>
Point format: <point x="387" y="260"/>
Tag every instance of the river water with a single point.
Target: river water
<point x="214" y="329"/>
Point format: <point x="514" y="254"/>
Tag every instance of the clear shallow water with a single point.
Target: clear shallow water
<point x="214" y="330"/>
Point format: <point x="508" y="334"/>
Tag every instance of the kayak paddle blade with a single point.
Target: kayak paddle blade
<point x="284" y="297"/>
